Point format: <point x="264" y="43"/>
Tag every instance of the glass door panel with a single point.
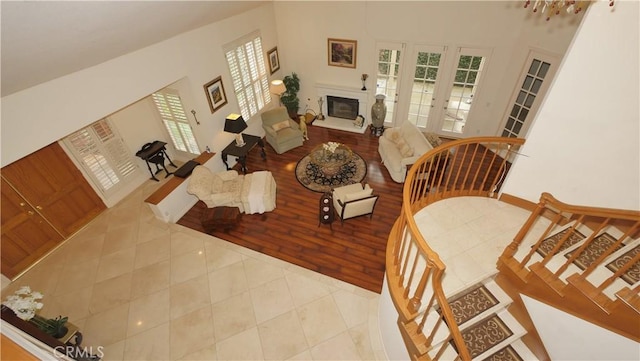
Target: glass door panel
<point x="388" y="76"/>
<point x="423" y="90"/>
<point x="467" y="76"/>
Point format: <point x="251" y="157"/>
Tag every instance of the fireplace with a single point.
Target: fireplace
<point x="341" y="105"/>
<point x="346" y="108"/>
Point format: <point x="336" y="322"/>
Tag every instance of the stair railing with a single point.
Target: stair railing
<point x="466" y="167"/>
<point x="563" y="245"/>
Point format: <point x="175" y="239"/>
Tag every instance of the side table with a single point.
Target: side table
<point x="250" y="142"/>
<point x="326" y="214"/>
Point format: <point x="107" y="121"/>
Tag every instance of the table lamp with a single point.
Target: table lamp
<point x="235" y="124"/>
<point x="277" y="87"/>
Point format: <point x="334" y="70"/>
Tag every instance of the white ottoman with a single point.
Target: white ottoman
<point x="258" y="192"/>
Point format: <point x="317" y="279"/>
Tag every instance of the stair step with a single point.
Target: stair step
<point x="475" y="301"/>
<point x="629" y="297"/>
<point x="492" y="334"/>
<point x="515" y="351"/>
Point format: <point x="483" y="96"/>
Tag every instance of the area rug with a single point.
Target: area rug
<point x="312" y="178"/>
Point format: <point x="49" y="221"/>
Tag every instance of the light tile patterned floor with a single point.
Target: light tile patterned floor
<point x="147" y="290"/>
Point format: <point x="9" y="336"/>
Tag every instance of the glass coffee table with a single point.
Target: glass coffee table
<point x="330" y="157"/>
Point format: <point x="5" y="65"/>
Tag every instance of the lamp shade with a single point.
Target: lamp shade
<point x="234" y="124"/>
<point x="277" y="87"/>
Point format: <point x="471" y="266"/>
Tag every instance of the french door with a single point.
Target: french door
<point x="442" y="90"/>
<point x="388" y="76"/>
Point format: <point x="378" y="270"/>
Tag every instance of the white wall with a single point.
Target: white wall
<point x="569" y="338"/>
<point x="505" y="27"/>
<point x="48" y="112"/>
<point x="584" y="147"/>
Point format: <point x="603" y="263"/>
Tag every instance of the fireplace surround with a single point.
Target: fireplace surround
<point x="340" y="104"/>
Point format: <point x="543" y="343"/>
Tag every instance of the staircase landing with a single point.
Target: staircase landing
<point x="469" y="234"/>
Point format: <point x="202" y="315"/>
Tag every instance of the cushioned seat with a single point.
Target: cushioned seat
<point x="251" y="193"/>
<point x="282" y="132"/>
<point x="354" y="200"/>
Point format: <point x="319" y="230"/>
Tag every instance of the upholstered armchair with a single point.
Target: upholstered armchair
<point x="354" y="200"/>
<point x="281" y="131"/>
<point x="251" y="193"/>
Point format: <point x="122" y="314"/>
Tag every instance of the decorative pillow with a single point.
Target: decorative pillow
<point x="433" y="138"/>
<point x="281" y="125"/>
<point x="404" y="149"/>
<point x="394" y="135"/>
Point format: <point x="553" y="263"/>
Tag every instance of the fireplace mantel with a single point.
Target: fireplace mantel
<point x="323" y="90"/>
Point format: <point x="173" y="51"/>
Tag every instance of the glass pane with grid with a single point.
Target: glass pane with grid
<point x="387" y="78"/>
<point x="424" y="86"/>
<point x="249" y="77"/>
<point x="531" y="85"/>
<point x="175" y="121"/>
<point x="467" y="77"/>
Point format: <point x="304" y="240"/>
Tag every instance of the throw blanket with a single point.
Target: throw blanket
<point x="256" y="192"/>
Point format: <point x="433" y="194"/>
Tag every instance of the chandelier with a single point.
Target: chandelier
<point x="552" y="8"/>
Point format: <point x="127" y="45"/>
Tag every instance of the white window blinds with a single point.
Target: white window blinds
<point x="249" y="74"/>
<point x="175" y="120"/>
<point x="103" y="154"/>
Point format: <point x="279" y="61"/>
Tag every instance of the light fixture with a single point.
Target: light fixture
<point x="235" y="124"/>
<point x="554" y="7"/>
<point x="277" y="87"/>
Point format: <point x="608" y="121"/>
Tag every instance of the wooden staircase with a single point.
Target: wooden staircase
<point x="582" y="260"/>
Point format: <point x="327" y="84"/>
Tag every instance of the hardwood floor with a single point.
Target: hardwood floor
<point x="353" y="252"/>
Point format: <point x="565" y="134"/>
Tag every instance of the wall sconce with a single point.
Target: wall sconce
<point x="235" y="124"/>
<point x="277" y="87"/>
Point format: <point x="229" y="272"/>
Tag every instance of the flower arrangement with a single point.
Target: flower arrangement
<point x="331" y="146"/>
<point x="24" y="303"/>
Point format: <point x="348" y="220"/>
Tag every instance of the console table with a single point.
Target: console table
<point x="155" y="153"/>
<point x="250" y="142"/>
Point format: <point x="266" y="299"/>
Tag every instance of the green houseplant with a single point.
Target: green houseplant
<point x="290" y="97"/>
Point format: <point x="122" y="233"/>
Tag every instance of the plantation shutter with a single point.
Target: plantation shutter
<point x="248" y="74"/>
<point x="175" y="120"/>
<point x="103" y="154"/>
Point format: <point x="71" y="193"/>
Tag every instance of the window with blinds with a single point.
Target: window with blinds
<point x="103" y="155"/>
<point x="175" y="120"/>
<point x="249" y="74"/>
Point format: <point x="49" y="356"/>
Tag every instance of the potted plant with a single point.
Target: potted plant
<point x="290" y="97"/>
<point x="55" y="327"/>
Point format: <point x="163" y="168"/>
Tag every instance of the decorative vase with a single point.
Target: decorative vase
<point x="378" y="111"/>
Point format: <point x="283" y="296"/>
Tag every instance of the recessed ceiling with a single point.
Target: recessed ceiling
<point x="44" y="40"/>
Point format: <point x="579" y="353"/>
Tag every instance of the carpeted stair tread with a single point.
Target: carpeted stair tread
<point x="472" y="303"/>
<point x="507" y="353"/>
<point x="632" y="275"/>
<point x="594" y="250"/>
<point x="485" y="334"/>
<point x="550" y="242"/>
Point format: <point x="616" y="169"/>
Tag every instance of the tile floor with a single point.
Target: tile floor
<point x="147" y="290"/>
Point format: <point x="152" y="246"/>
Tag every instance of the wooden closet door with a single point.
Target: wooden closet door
<point x="26" y="236"/>
<point x="52" y="184"/>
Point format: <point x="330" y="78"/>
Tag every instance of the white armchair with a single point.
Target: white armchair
<point x="354" y="200"/>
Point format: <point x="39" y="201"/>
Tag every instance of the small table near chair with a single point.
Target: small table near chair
<point x="250" y="142"/>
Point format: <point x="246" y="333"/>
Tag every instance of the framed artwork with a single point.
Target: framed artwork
<point x="215" y="94"/>
<point x="274" y="60"/>
<point x="342" y="52"/>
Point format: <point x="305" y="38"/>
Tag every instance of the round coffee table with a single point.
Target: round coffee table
<point x="330" y="157"/>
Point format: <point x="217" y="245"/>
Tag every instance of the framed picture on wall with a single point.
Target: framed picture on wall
<point x="274" y="60"/>
<point x="215" y="94"/>
<point x="342" y="52"/>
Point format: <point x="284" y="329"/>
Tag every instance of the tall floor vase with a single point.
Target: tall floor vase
<point x="378" y="113"/>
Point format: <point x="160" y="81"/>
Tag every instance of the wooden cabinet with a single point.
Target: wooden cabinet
<point x="45" y="199"/>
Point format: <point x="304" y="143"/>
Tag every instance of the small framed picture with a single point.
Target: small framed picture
<point x="215" y="94"/>
<point x="274" y="60"/>
<point x="342" y="52"/>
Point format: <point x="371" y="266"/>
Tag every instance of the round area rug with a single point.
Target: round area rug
<point x="311" y="176"/>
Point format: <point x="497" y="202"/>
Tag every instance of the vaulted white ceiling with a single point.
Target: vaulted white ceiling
<point x="44" y="40"/>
